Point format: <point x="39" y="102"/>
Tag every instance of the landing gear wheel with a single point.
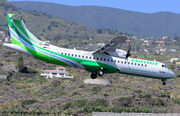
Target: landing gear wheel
<point x="164" y="83"/>
<point x="93" y="76"/>
<point x="100" y="73"/>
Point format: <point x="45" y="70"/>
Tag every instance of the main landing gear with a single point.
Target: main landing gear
<point x="94" y="75"/>
<point x="99" y="73"/>
<point x="163" y="80"/>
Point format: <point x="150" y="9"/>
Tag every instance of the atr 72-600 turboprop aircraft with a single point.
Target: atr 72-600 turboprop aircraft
<point x="107" y="59"/>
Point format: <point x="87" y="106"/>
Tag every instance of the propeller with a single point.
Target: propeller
<point x="128" y="52"/>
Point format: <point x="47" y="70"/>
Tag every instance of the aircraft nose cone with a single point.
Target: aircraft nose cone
<point x="173" y="75"/>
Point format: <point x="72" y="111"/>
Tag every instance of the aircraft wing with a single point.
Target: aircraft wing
<point x="112" y="45"/>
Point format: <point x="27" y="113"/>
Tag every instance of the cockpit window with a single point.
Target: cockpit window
<point x="164" y="66"/>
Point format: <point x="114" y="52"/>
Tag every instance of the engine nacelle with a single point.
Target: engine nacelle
<point x="117" y="53"/>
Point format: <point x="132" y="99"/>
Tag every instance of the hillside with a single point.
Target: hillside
<point x="136" y="23"/>
<point x="59" y="31"/>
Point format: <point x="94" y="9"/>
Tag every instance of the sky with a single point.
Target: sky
<point x="145" y="6"/>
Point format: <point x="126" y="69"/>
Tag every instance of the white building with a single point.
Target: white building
<point x="59" y="72"/>
<point x="101" y="44"/>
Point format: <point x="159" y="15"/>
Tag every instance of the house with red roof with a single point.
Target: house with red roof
<point x="59" y="72"/>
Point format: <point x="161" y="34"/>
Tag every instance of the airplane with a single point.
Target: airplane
<point x="105" y="60"/>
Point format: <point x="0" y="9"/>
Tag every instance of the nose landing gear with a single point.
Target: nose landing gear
<point x="164" y="83"/>
<point x="163" y="80"/>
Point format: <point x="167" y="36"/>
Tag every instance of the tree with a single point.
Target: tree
<point x="99" y="31"/>
<point x="20" y="65"/>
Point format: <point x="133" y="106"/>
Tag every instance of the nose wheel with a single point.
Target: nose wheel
<point x="163" y="80"/>
<point x="164" y="83"/>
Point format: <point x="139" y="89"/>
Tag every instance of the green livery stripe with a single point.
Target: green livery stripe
<point x="41" y="56"/>
<point x="89" y="64"/>
<point x="18" y="23"/>
<point x="20" y="27"/>
<point x="9" y="21"/>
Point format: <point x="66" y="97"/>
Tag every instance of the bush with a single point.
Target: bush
<point x="81" y="86"/>
<point x="81" y="103"/>
<point x="1" y="63"/>
<point x="8" y="53"/>
<point x="168" y="92"/>
<point x="8" y="60"/>
<point x="98" y="102"/>
<point x="96" y="88"/>
<point x="160" y="102"/>
<point x="27" y="102"/>
<point x="106" y="94"/>
<point x="32" y="70"/>
<point x="144" y="96"/>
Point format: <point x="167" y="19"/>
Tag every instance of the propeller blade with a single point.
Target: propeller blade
<point x="128" y="52"/>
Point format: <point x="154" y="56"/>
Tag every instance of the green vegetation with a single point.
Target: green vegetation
<point x="97" y="88"/>
<point x="106" y="94"/>
<point x="32" y="70"/>
<point x="81" y="103"/>
<point x="144" y="96"/>
<point x="98" y="102"/>
<point x="8" y="60"/>
<point x="1" y="63"/>
<point x="8" y="53"/>
<point x="27" y="102"/>
<point x="57" y="94"/>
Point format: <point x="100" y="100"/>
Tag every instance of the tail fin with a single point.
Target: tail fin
<point x="18" y="31"/>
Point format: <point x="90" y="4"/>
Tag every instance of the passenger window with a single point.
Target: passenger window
<point x="121" y="61"/>
<point x="75" y="55"/>
<point x="164" y="66"/>
<point x="114" y="60"/>
<point x="65" y="54"/>
<point x="79" y="56"/>
<point x="86" y="56"/>
<point x="62" y="53"/>
<point x="118" y="61"/>
<point x="72" y="55"/>
<point x="100" y="58"/>
<point x="108" y="60"/>
<point x="124" y="62"/>
<point x="111" y="60"/>
<point x="104" y="59"/>
<point x="94" y="58"/>
<point x="134" y="63"/>
<point x="82" y="56"/>
<point x="97" y="58"/>
<point x="145" y="65"/>
<point x="138" y="64"/>
<point x="128" y="62"/>
<point x="131" y="63"/>
<point x="141" y="64"/>
<point x="68" y="54"/>
<point x="89" y="57"/>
